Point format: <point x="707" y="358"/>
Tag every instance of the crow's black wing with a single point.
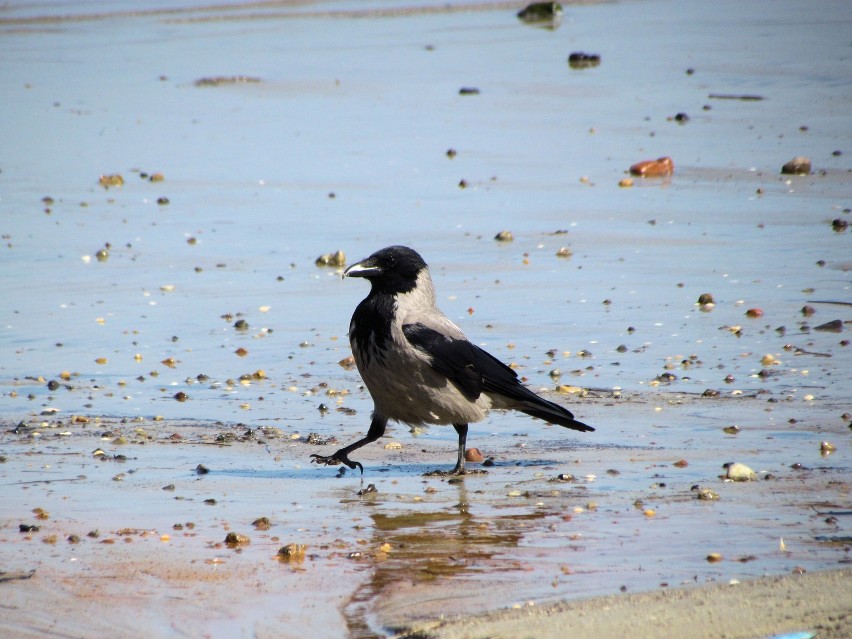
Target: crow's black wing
<point x="466" y="365"/>
<point x="473" y="370"/>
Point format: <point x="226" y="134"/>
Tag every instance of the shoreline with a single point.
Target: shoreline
<point x="767" y="607"/>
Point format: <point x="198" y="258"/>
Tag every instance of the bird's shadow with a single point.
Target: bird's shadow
<point x="378" y="471"/>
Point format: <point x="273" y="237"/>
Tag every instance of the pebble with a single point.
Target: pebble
<point x="236" y="539"/>
<point x="736" y="471"/>
<point x="292" y="552"/>
<point x="706" y="298"/>
<point x="582" y="60"/>
<point x="660" y="167"/>
<point x="799" y="165"/>
<point x="504" y="236"/>
<point x="262" y="523"/>
<point x="338" y="258"/>
<point x="540" y="12"/>
<point x="473" y="455"/>
<point x="705" y="494"/>
<point x="834" y="326"/>
<point x="107" y="181"/>
<point x="215" y="81"/>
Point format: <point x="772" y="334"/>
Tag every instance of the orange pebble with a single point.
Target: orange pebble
<point x="653" y="168"/>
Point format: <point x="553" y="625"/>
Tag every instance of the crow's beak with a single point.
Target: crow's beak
<point x="364" y="268"/>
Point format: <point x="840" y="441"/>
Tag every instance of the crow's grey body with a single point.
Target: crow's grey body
<point x="402" y="380"/>
<point x="418" y="365"/>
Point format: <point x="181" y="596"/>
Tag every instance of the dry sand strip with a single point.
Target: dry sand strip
<point x="816" y="602"/>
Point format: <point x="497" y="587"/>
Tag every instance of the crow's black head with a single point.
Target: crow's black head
<point x="390" y="270"/>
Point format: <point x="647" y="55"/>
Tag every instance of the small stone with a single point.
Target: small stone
<point x="538" y="12"/>
<point x="799" y="165"/>
<point x="834" y="326"/>
<point x="236" y="539"/>
<point x="564" y="252"/>
<point x="736" y="471"/>
<point x="754" y="312"/>
<point x="107" y="181"/>
<point x="660" y="167"/>
<point x="705" y="494"/>
<point x="201" y="469"/>
<point x="262" y="523"/>
<point x="625" y="183"/>
<point x="714" y="557"/>
<point x="706" y="298"/>
<point x="504" y="236"/>
<point x="468" y="91"/>
<point x="827" y="447"/>
<point x="582" y="60"/>
<point x="473" y="455"/>
<point x="731" y="430"/>
<point x="336" y="259"/>
<point x="292" y="552"/>
<point x="681" y="463"/>
<point x="181" y="396"/>
<point x="808" y="310"/>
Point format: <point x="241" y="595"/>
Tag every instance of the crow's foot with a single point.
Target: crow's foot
<point x="337" y="459"/>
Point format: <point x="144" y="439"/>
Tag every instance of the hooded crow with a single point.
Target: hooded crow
<point x="418" y="365"/>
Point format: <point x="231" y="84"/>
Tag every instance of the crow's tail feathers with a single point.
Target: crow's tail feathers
<point x="553" y="413"/>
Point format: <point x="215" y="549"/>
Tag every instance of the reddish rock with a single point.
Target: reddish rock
<point x="473" y="455"/>
<point x="660" y="167"/>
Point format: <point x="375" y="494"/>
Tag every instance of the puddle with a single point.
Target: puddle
<point x="342" y="145"/>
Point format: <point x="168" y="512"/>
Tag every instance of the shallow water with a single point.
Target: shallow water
<point x="342" y="145"/>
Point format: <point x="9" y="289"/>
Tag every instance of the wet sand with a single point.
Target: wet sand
<point x="768" y="607"/>
<point x="128" y="526"/>
<point x="329" y="129"/>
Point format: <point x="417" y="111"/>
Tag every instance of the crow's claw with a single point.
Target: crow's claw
<point x="336" y="459"/>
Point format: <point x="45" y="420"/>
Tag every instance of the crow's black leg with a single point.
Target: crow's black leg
<point x="377" y="429"/>
<point x="461" y="429"/>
